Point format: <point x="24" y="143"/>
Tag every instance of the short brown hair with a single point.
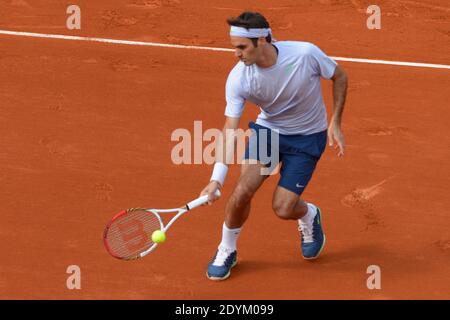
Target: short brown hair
<point x="249" y="20"/>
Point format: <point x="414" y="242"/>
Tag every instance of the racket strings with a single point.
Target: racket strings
<point x="129" y="234"/>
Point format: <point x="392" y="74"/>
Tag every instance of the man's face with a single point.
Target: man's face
<point x="245" y="50"/>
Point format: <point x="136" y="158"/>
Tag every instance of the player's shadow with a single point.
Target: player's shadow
<point x="350" y="259"/>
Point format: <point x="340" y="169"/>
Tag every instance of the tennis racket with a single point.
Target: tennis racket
<point x="128" y="236"/>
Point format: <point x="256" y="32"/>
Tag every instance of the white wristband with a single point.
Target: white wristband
<point x="219" y="172"/>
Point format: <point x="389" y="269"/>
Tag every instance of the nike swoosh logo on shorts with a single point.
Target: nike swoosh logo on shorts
<point x="299" y="186"/>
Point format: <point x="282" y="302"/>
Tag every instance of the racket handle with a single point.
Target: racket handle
<point x="200" y="200"/>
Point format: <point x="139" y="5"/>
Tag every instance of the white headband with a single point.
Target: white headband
<point x="249" y="33"/>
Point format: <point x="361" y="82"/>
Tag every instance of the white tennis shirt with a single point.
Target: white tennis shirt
<point x="289" y="93"/>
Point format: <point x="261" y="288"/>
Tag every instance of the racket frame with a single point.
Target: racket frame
<point x="180" y="211"/>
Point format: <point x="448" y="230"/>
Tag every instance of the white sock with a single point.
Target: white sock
<point x="229" y="237"/>
<point x="308" y="218"/>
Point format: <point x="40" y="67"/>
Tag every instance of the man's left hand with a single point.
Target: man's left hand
<point x="336" y="138"/>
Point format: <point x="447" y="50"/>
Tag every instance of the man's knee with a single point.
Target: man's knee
<point x="283" y="209"/>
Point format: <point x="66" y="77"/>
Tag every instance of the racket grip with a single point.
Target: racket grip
<point x="201" y="200"/>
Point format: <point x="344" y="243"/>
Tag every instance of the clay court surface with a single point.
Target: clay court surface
<point x="85" y="131"/>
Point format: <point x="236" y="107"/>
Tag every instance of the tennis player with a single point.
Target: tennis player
<point x="284" y="80"/>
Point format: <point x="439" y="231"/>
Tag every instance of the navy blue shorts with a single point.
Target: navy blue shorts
<point x="298" y="154"/>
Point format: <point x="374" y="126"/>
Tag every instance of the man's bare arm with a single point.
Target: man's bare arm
<point x="226" y="147"/>
<point x="340" y="84"/>
<point x="225" y="155"/>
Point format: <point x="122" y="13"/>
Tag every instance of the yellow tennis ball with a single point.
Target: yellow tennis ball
<point x="158" y="236"/>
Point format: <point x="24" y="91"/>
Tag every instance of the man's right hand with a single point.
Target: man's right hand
<point x="210" y="190"/>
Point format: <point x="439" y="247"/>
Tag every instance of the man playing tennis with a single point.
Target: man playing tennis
<point x="283" y="79"/>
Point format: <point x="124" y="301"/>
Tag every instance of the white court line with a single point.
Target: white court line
<point x="126" y="42"/>
<point x="164" y="45"/>
<point x="395" y="63"/>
